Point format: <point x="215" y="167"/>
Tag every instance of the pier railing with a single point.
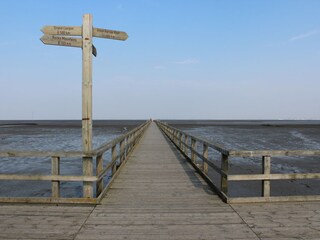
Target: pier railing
<point x="194" y="148"/>
<point x="120" y="147"/>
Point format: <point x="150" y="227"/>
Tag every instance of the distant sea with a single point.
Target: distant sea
<point x="233" y="134"/>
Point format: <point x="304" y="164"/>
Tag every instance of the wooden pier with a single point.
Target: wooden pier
<point x="158" y="194"/>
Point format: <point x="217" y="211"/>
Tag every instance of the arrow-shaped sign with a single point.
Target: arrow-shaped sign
<point x="62" y="30"/>
<point x="111" y="34"/>
<point x="62" y="41"/>
<point x="65" y="41"/>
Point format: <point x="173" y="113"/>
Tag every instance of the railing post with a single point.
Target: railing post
<point x="55" y="170"/>
<point x="174" y="136"/>
<point x="129" y="144"/>
<point x="99" y="170"/>
<point x="193" y="148"/>
<point x="134" y="138"/>
<point x="131" y="141"/>
<point x="180" y="141"/>
<point x="186" y="149"/>
<point x="205" y="155"/>
<point x="266" y="169"/>
<point x="113" y="160"/>
<point x="87" y="169"/>
<point x="224" y="168"/>
<point x="122" y="152"/>
<point x="126" y="147"/>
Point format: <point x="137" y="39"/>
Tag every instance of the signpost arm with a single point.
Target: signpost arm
<point x="55" y="35"/>
<point x="87" y="102"/>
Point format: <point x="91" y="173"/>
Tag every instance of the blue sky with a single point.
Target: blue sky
<point x="184" y="59"/>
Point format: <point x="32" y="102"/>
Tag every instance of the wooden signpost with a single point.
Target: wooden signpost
<point x="60" y="36"/>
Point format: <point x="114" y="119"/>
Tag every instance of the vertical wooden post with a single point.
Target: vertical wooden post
<point x="122" y="151"/>
<point x="113" y="160"/>
<point x="186" y="150"/>
<point x="225" y="168"/>
<point x="135" y="138"/>
<point x="193" y="149"/>
<point x="130" y="142"/>
<point x="87" y="167"/>
<point x="55" y="170"/>
<point x="266" y="169"/>
<point x="180" y="141"/>
<point x="205" y="155"/>
<point x="99" y="170"/>
<point x="174" y="136"/>
<point x="127" y="146"/>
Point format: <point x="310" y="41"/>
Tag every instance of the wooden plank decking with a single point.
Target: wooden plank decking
<point x="158" y="195"/>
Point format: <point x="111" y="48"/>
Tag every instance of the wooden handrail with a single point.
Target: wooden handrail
<point x="187" y="144"/>
<point x="125" y="143"/>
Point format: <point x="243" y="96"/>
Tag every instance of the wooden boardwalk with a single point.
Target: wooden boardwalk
<point x="158" y="195"/>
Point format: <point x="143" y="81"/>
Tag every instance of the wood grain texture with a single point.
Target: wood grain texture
<point x="158" y="195"/>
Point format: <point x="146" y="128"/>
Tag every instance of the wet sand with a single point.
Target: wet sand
<point x="263" y="135"/>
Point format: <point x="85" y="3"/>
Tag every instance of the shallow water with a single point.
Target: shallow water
<point x="50" y="136"/>
<point x="262" y="135"/>
<point x="236" y="135"/>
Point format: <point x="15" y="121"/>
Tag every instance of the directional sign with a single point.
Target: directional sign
<point x="62" y="41"/>
<point x="62" y="30"/>
<point x="60" y="35"/>
<point x="111" y="34"/>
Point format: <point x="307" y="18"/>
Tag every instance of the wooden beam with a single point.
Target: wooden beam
<point x="71" y="154"/>
<point x="49" y="200"/>
<point x="47" y="178"/>
<point x="113" y="160"/>
<point x="274" y="153"/>
<point x="205" y="155"/>
<point x="273" y="199"/>
<point x="275" y="176"/>
<point x="266" y="169"/>
<point x="224" y="179"/>
<point x="193" y="150"/>
<point x="99" y="170"/>
<point x="55" y="170"/>
<point x="87" y="101"/>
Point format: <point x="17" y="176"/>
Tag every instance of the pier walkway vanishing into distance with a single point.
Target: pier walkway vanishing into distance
<point x="158" y="194"/>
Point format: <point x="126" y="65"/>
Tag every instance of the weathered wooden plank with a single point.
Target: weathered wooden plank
<point x="55" y="170"/>
<point x="274" y="153"/>
<point x="48" y="200"/>
<point x="99" y="170"/>
<point x="87" y="165"/>
<point x="25" y="154"/>
<point x="62" y="41"/>
<point x="266" y="169"/>
<point x="110" y="34"/>
<point x="274" y="176"/>
<point x="62" y="30"/>
<point x="220" y="230"/>
<point x="274" y="199"/>
<point x="158" y="188"/>
<point x="47" y="178"/>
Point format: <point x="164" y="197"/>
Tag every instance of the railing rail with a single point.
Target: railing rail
<point x="187" y="144"/>
<point x="123" y="144"/>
